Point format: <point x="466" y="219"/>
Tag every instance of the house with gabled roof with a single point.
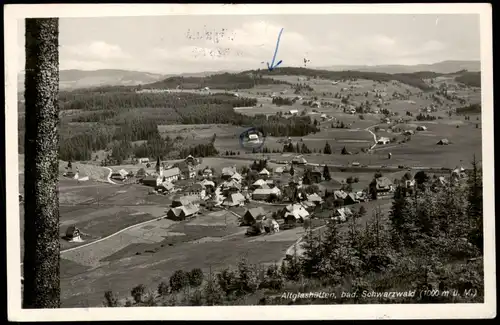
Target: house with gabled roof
<point x="314" y="198"/>
<point x="264" y="173"/>
<point x="206" y="183"/>
<point x="384" y="184"/>
<point x="234" y="199"/>
<point x="182" y="212"/>
<point x="166" y="187"/>
<point x="253" y="215"/>
<point x="228" y="172"/>
<point x="265" y="194"/>
<point x="342" y="214"/>
<point x="184" y="200"/>
<point x="237" y="177"/>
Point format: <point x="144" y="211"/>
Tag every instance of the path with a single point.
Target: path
<point x="109" y="176"/>
<point x="373" y="134"/>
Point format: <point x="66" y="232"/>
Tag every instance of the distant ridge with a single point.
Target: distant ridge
<point x="74" y="78"/>
<point x="449" y="66"/>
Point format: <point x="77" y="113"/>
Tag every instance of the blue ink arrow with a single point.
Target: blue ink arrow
<point x="272" y="66"/>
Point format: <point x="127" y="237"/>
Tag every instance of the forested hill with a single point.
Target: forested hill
<point x="91" y="120"/>
<point x="225" y="81"/>
<point x="415" y="79"/>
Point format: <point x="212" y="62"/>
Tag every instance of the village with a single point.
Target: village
<point x="195" y="190"/>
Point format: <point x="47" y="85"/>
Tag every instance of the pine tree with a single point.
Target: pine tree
<point x="311" y="258"/>
<point x="328" y="149"/>
<point x="326" y="173"/>
<point x="292" y="170"/>
<point x="475" y="204"/>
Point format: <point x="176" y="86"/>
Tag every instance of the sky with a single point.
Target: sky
<point x="186" y="44"/>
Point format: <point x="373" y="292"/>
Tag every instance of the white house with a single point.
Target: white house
<point x="383" y="140"/>
<point x="253" y="137"/>
<point x="143" y="160"/>
<point x="264" y="173"/>
<point x="293" y="112"/>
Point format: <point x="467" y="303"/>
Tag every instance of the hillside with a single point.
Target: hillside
<point x="73" y="79"/>
<point x="439" y="67"/>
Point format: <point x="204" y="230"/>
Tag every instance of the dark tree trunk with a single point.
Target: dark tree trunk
<point x="41" y="207"/>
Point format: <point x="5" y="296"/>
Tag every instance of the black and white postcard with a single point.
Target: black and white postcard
<point x="298" y="161"/>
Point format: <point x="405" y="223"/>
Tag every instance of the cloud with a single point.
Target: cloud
<point x="96" y="50"/>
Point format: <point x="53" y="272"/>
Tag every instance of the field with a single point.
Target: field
<point x="152" y="252"/>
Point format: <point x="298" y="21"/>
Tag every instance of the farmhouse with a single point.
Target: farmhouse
<point x="119" y="175"/>
<point x="206" y="183"/>
<point x="293" y="112"/>
<point x="323" y="116"/>
<point x="443" y="142"/>
<point x="259" y="183"/>
<point x="383" y="140"/>
<point x="279" y="170"/>
<point x="316" y="104"/>
<point x="195" y="189"/>
<point x="171" y="175"/>
<point x="237" y="177"/>
<point x="253" y="137"/>
<point x="316" y="175"/>
<point x="340" y="194"/>
<point x="152" y="180"/>
<point x="234" y="199"/>
<point x="409" y="132"/>
<point x="231" y="186"/>
<point x="351" y="198"/>
<point x="314" y="198"/>
<point x="253" y="215"/>
<point x="182" y="212"/>
<point x="421" y="128"/>
<point x="342" y="214"/>
<point x="299" y="160"/>
<point x="165" y="187"/>
<point x="73" y="234"/>
<point x="264" y="194"/>
<point x="228" y="172"/>
<point x="184" y="200"/>
<point x="297" y="209"/>
<point x="384" y="184"/>
<point x="143" y="160"/>
<point x="264" y="173"/>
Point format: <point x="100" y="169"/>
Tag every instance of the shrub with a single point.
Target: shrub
<point x="227" y="281"/>
<point x="195" y="277"/>
<point x="196" y="298"/>
<point x="212" y="291"/>
<point x="150" y="299"/>
<point x="178" y="280"/>
<point x="110" y="299"/>
<point x="273" y="278"/>
<point x="138" y="292"/>
<point x="247" y="281"/>
<point x="163" y="289"/>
